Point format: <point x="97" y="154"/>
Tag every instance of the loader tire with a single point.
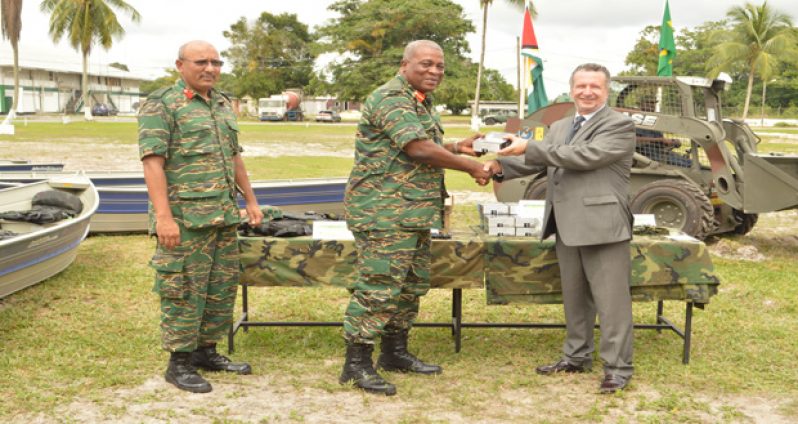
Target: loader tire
<point x="677" y="204"/>
<point x="747" y="222"/>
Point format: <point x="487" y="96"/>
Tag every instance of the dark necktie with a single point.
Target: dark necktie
<point x="577" y="124"/>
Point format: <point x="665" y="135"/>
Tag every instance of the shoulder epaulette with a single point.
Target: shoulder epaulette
<point x="157" y="94"/>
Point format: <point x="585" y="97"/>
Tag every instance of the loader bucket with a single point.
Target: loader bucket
<point x="771" y="182"/>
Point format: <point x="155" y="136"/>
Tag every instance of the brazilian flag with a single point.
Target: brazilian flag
<point x="667" y="48"/>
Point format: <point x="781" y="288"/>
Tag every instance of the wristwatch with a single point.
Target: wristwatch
<point x="498" y="177"/>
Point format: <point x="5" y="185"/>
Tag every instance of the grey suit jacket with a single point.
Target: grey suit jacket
<point x="588" y="179"/>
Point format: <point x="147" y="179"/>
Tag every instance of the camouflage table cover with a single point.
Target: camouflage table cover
<point x="301" y="262"/>
<point x="664" y="267"/>
<point x="511" y="269"/>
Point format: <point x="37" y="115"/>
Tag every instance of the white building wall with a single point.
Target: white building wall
<point x="49" y="91"/>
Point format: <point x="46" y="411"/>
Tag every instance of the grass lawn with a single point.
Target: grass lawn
<point x="84" y="346"/>
<point x="93" y="329"/>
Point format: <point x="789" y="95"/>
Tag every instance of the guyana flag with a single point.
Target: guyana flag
<point x="533" y="66"/>
<point x="667" y="48"/>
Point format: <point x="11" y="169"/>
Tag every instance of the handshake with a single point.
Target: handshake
<point x="484" y="172"/>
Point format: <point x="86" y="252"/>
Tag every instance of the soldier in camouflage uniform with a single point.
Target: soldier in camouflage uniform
<point x="394" y="196"/>
<point x="188" y="143"/>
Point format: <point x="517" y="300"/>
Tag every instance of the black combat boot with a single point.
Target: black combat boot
<point x="184" y="375"/>
<point x="395" y="357"/>
<point x="207" y="358"/>
<point x="359" y="369"/>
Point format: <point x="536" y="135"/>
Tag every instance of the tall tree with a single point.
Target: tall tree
<point x="693" y="47"/>
<point x="268" y="55"/>
<point x="759" y="37"/>
<point x="86" y="23"/>
<point x="370" y="37"/>
<point x="11" y="23"/>
<point x="485" y="5"/>
<point x="642" y="59"/>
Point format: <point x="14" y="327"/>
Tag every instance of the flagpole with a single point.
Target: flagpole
<point x="520" y="77"/>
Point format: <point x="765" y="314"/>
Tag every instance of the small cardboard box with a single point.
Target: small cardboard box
<point x="527" y="232"/>
<point x="501" y="231"/>
<point x="527" y="222"/>
<point x="499" y="221"/>
<point x="494" y="208"/>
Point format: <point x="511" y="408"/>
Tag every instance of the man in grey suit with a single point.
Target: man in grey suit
<point x="588" y="158"/>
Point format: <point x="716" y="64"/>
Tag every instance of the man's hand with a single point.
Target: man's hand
<point x="255" y="215"/>
<point x="481" y="175"/>
<point x="516" y="147"/>
<point x="466" y="145"/>
<point x="493" y="166"/>
<point x="168" y="233"/>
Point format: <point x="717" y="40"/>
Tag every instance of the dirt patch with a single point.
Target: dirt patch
<point x="272" y="398"/>
<point x="296" y="149"/>
<point x="77" y="155"/>
<point x="728" y="249"/>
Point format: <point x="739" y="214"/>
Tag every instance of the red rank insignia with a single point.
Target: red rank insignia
<point x="188" y="93"/>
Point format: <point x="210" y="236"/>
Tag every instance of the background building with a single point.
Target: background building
<point x="55" y="87"/>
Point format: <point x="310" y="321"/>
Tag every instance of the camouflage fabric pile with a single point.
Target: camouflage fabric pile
<point x="280" y="224"/>
<point x="511" y="269"/>
<point x="47" y="207"/>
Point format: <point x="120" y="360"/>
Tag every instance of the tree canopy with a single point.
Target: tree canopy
<point x="371" y="35"/>
<point x="269" y="55"/>
<point x="86" y="23"/>
<point x="751" y="34"/>
<point x="759" y="39"/>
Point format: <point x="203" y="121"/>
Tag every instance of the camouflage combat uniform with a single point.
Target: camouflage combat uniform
<point x="197" y="280"/>
<point x="391" y="203"/>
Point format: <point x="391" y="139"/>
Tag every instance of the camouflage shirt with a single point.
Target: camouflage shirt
<point x="387" y="190"/>
<point x="198" y="138"/>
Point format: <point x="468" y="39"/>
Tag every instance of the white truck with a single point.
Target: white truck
<point x="280" y="107"/>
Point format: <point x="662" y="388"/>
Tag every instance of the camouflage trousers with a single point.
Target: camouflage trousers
<point x="197" y="282"/>
<point x="392" y="273"/>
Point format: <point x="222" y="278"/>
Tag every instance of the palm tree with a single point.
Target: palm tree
<point x="85" y="23"/>
<point x="485" y="5"/>
<point x="760" y="37"/>
<point x="11" y="26"/>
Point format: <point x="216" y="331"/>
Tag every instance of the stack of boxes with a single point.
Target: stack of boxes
<point x="501" y="219"/>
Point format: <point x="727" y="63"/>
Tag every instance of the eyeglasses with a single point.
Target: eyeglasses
<point x="205" y="62"/>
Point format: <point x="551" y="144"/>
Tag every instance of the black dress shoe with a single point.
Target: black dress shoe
<point x="612" y="383"/>
<point x="561" y="366"/>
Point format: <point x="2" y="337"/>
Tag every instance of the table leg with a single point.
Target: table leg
<point x="457" y="317"/>
<point x="688" y="331"/>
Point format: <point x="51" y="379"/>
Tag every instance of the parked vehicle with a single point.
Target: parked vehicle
<point x="101" y="109"/>
<point x="328" y="116"/>
<point x="497" y="116"/>
<point x="281" y="107"/>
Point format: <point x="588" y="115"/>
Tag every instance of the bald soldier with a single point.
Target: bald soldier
<point x="394" y="197"/>
<point x="188" y="143"/>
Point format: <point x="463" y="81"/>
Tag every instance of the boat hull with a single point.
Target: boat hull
<point x="40" y="252"/>
<point x="123" y="197"/>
